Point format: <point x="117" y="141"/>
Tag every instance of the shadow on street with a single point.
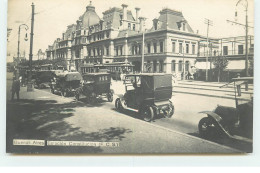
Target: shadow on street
<point x="45" y="120"/>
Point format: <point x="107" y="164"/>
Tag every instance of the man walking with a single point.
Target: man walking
<point x="15" y="88"/>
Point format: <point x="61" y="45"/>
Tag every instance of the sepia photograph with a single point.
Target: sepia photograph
<point x="130" y="77"/>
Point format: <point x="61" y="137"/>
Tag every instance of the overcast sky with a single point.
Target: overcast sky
<point x="53" y="16"/>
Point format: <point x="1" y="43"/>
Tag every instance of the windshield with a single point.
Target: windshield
<point x="132" y="82"/>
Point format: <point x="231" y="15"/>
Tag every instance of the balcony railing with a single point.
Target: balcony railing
<point x="226" y="53"/>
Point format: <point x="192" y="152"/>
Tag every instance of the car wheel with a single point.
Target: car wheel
<point x="77" y="97"/>
<point x="118" y="105"/>
<point x="64" y="93"/>
<point x="91" y="98"/>
<point x="110" y="97"/>
<point x="207" y="127"/>
<point x="147" y="113"/>
<point x="169" y="112"/>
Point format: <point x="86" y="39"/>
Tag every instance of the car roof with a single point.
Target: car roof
<point x="148" y="74"/>
<point x="95" y="74"/>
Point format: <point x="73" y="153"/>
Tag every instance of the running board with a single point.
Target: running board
<point x="241" y="138"/>
<point x="130" y="109"/>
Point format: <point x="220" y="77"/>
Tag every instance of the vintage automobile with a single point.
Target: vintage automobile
<point x="233" y="122"/>
<point x="94" y="86"/>
<point x="148" y="94"/>
<point x="43" y="78"/>
<point x="66" y="83"/>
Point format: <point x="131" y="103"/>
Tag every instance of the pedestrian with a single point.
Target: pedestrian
<point x="15" y="89"/>
<point x="238" y="86"/>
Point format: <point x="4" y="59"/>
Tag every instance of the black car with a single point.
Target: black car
<point x="148" y="94"/>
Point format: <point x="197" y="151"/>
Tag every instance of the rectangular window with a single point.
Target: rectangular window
<point x="154" y="66"/>
<point x="134" y="27"/>
<point x="140" y="49"/>
<point x="107" y="50"/>
<point x="161" y="66"/>
<point x="193" y="49"/>
<point x="121" y="50"/>
<point x="173" y="47"/>
<point x="116" y="50"/>
<point x="225" y="50"/>
<point x="180" y="66"/>
<point x="129" y="26"/>
<point x="149" y="48"/>
<point x="135" y="50"/>
<point x="173" y="66"/>
<point x="240" y="49"/>
<point x="161" y="46"/>
<point x="180" y="47"/>
<point x="187" y="48"/>
<point x="155" y="48"/>
<point x="98" y="52"/>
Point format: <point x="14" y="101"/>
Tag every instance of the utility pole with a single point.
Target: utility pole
<point x="29" y="87"/>
<point x="208" y="23"/>
<point x="142" y="68"/>
<point x="183" y="64"/>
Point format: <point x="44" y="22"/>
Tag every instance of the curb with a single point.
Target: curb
<point x="207" y="95"/>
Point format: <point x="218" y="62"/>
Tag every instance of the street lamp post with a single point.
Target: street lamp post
<point x="246" y="29"/>
<point x="142" y="64"/>
<point x="183" y="65"/>
<point x="142" y="68"/>
<point x="19" y="31"/>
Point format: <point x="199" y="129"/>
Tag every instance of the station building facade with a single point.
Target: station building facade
<point x="170" y="46"/>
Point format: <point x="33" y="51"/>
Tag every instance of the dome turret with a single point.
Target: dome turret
<point x="90" y="16"/>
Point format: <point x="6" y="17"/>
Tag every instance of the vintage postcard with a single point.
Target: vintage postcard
<point x="130" y="76"/>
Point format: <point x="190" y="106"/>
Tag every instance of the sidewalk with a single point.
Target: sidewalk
<point x="211" y="89"/>
<point x="42" y="115"/>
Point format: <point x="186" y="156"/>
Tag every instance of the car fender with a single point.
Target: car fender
<point x="213" y="115"/>
<point x="218" y="119"/>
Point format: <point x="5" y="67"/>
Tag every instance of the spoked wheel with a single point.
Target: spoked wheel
<point x="118" y="105"/>
<point x="207" y="127"/>
<point x="110" y="97"/>
<point x="64" y="93"/>
<point x="77" y="97"/>
<point x="169" y="112"/>
<point x="92" y="98"/>
<point x="147" y="113"/>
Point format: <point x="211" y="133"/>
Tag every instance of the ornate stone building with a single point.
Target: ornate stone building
<point x="170" y="46"/>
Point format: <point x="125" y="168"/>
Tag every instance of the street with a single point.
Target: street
<point x="42" y="115"/>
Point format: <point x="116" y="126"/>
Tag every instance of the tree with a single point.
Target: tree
<point x="220" y="63"/>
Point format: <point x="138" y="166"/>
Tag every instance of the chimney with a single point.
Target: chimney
<point x="124" y="11"/>
<point x="142" y="23"/>
<point x="137" y="13"/>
